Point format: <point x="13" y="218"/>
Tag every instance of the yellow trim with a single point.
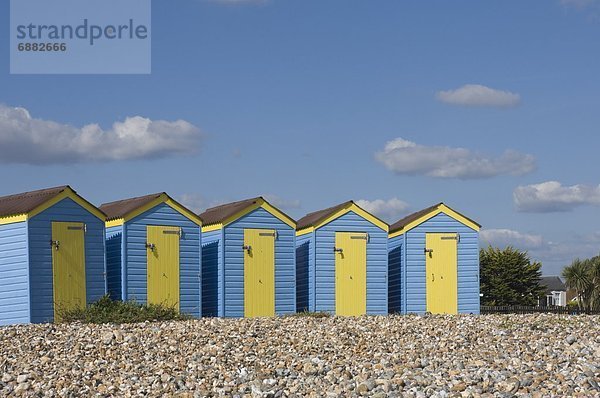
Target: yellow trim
<point x="348" y="208"/>
<point x="115" y="223"/>
<point x="13" y="219"/>
<point x="67" y="193"/>
<point x="305" y="231"/>
<point x="163" y="198"/>
<point x="213" y="227"/>
<point x="259" y="203"/>
<point x="440" y="209"/>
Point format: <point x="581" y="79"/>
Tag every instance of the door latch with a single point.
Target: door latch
<point x="247" y="248"/>
<point x="427" y="250"/>
<point x="150" y="246"/>
<point x="55" y="244"/>
<point x="337" y="250"/>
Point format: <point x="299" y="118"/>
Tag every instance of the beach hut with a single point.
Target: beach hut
<point x="51" y="255"/>
<point x="434" y="263"/>
<point x="341" y="260"/>
<point x="248" y="260"/>
<point x="153" y="252"/>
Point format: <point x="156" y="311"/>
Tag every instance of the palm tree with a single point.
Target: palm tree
<point x="578" y="277"/>
<point x="595" y="276"/>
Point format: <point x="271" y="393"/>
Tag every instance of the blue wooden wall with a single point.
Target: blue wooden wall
<point x="189" y="257"/>
<point x="395" y="274"/>
<point x="40" y="256"/>
<point x="304" y="272"/>
<point x="377" y="263"/>
<point x="14" y="274"/>
<point x="212" y="260"/>
<point x="468" y="264"/>
<point x="230" y="265"/>
<point x="114" y="261"/>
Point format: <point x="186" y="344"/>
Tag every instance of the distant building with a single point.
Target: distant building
<point x="555" y="294"/>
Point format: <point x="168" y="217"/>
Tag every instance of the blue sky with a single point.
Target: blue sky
<point x="491" y="107"/>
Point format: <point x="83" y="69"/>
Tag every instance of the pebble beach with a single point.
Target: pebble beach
<point x="539" y="355"/>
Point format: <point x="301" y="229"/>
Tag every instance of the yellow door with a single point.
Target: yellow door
<point x="68" y="266"/>
<point x="162" y="253"/>
<point x="259" y="272"/>
<point x="441" y="258"/>
<point x="350" y="273"/>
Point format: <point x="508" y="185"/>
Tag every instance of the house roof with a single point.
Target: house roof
<point x="124" y="210"/>
<point x="311" y="219"/>
<point x="409" y="221"/>
<point x="120" y="208"/>
<point x="552" y="284"/>
<point x="227" y="213"/>
<point x="319" y="218"/>
<point x="22" y="206"/>
<point x="412" y="217"/>
<point x="218" y="214"/>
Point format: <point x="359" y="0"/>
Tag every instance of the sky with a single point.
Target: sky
<point x="490" y="107"/>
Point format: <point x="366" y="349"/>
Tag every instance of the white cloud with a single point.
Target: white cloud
<point x="554" y="256"/>
<point x="478" y="95"/>
<point x="552" y="196"/>
<point x="282" y="203"/>
<point x="24" y="139"/>
<point x="509" y="237"/>
<point x="198" y="203"/>
<point x="389" y="210"/>
<point x="406" y="157"/>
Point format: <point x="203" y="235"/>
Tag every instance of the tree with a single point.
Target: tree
<point x="508" y="277"/>
<point x="583" y="276"/>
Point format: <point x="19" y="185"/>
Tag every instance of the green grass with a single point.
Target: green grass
<point x="106" y="310"/>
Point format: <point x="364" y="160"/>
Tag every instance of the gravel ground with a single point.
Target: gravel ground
<point x="395" y="356"/>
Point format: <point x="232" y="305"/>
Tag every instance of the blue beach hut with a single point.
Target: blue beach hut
<point x="153" y="252"/>
<point x="434" y="263"/>
<point x="248" y="266"/>
<point x="51" y="255"/>
<point x="341" y="261"/>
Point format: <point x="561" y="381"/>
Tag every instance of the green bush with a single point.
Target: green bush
<point x="106" y="310"/>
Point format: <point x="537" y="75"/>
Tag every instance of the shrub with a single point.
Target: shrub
<point x="107" y="310"/>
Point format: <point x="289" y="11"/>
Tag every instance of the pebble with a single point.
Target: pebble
<point x="534" y="355"/>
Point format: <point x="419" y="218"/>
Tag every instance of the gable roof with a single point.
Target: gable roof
<point x="416" y="218"/>
<point x="124" y="210"/>
<point x="21" y="206"/>
<point x="317" y="219"/>
<point x="120" y="208"/>
<point x="313" y="218"/>
<point x="220" y="216"/>
<point x="552" y="284"/>
<point x="23" y="203"/>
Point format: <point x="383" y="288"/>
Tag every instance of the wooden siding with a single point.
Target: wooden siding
<point x="285" y="263"/>
<point x="40" y="256"/>
<point x="395" y="256"/>
<point x="114" y="262"/>
<point x="468" y="265"/>
<point x="377" y="263"/>
<point x="14" y="274"/>
<point x="190" y="262"/>
<point x="304" y="261"/>
<point x="212" y="256"/>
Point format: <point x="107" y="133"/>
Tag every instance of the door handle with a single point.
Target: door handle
<point x="432" y="277"/>
<point x="150" y="246"/>
<point x="55" y="244"/>
<point x="247" y="248"/>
